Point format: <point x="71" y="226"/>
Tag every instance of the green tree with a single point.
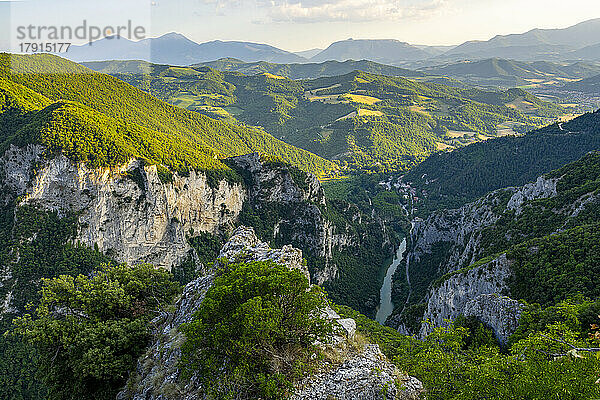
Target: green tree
<point x="90" y="330"/>
<point x="255" y="331"/>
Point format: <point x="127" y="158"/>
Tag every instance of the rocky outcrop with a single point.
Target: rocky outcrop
<point x="476" y="292"/>
<point x="244" y="246"/>
<point x="501" y="313"/>
<point x="274" y="182"/>
<point x="135" y="214"/>
<point x="541" y="188"/>
<point x="366" y="374"/>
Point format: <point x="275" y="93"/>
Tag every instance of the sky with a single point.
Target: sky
<point x="296" y="25"/>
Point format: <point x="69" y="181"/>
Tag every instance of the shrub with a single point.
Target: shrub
<point x="90" y="330"/>
<point x="254" y="333"/>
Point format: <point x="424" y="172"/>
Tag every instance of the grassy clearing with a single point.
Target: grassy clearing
<point x="443" y="146"/>
<point x="349" y="116"/>
<point x="522" y="105"/>
<point x="459" y="134"/>
<point x="327" y="99"/>
<point x="269" y="75"/>
<point x="358" y="98"/>
<point x="369" y="113"/>
<point x="420" y="110"/>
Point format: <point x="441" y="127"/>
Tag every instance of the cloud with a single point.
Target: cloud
<point x="308" y="11"/>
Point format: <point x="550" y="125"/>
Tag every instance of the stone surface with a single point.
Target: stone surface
<point x="133" y="220"/>
<point x="501" y="313"/>
<point x="476" y="292"/>
<point x="129" y="214"/>
<point x="365" y="376"/>
<point x="244" y="245"/>
<point x="462" y="227"/>
<point x="305" y="225"/>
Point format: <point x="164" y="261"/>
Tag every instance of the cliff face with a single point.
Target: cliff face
<point x="476" y="292"/>
<point x="301" y="220"/>
<point x="127" y="212"/>
<point x="363" y="374"/>
<point x="462" y="227"/>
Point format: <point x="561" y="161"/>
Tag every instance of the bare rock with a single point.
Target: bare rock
<point x="366" y="376"/>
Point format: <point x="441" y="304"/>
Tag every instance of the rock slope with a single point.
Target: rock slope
<point x="461" y="233"/>
<point x="462" y="227"/>
<point x="365" y="375"/>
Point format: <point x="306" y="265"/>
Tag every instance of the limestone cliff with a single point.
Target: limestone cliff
<point x="474" y="292"/>
<point x="126" y="212"/>
<point x="449" y="241"/>
<point x="462" y="227"/>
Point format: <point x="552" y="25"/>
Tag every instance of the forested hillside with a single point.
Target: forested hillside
<point x="51" y="101"/>
<point x="453" y="179"/>
<point x="292" y="71"/>
<point x="367" y="121"/>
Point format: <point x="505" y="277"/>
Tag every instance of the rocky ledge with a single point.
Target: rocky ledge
<point x="367" y="375"/>
<point x="362" y="374"/>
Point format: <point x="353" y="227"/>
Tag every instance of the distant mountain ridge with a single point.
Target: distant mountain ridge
<point x="291" y="71"/>
<point x="510" y="73"/>
<point x="578" y="42"/>
<point x="176" y="49"/>
<point x="310" y="70"/>
<point x="385" y="51"/>
<point x="532" y="45"/>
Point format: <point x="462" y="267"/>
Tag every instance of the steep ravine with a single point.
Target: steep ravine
<point x="448" y="275"/>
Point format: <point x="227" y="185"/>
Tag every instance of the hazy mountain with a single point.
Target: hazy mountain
<point x="434" y="50"/>
<point x="532" y="45"/>
<point x="386" y="51"/>
<point x="176" y="49"/>
<point x="308" y="53"/>
<point x="310" y="70"/>
<point x="498" y="67"/>
<point x="587" y="53"/>
<point x="292" y="71"/>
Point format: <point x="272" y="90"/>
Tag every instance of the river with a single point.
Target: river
<point x="385" y="303"/>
